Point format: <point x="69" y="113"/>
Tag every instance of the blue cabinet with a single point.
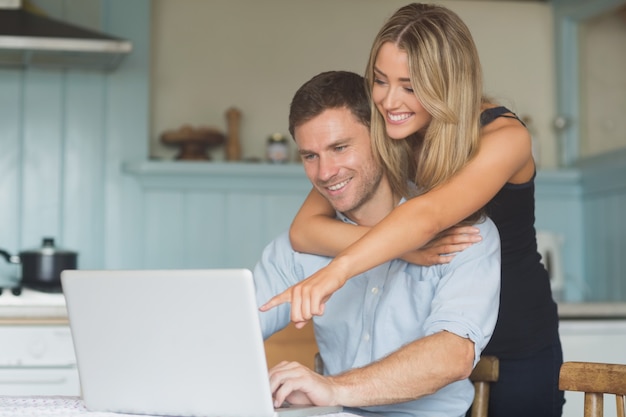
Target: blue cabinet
<point x="210" y="214"/>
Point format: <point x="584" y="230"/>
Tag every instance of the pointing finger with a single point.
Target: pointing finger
<point x="283" y="297"/>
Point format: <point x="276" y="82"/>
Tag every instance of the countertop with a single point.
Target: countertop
<point x="33" y="305"/>
<point x="590" y="311"/>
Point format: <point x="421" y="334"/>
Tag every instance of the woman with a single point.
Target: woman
<point x="425" y="80"/>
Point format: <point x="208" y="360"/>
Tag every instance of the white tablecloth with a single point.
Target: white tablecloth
<point x="58" y="406"/>
<point x="40" y="406"/>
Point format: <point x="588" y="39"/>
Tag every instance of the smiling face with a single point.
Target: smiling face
<point x="338" y="160"/>
<point x="393" y="94"/>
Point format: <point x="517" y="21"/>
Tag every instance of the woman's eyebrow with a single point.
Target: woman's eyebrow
<point x="379" y="72"/>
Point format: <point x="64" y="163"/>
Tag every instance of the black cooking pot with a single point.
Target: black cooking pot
<point x="41" y="267"/>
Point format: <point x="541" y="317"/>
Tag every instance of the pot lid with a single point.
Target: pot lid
<point x="47" y="248"/>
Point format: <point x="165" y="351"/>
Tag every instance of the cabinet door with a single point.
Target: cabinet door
<point x="37" y="360"/>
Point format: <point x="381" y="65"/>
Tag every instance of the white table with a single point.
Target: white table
<point x="60" y="406"/>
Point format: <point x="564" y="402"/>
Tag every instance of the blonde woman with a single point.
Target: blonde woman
<point x="425" y="80"/>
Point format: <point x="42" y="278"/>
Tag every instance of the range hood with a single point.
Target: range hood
<point x="29" y="39"/>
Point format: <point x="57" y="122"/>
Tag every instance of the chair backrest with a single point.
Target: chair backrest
<point x="595" y="379"/>
<point x="486" y="371"/>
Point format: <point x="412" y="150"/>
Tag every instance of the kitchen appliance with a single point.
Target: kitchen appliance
<point x="41" y="267"/>
<point x="549" y="246"/>
<point x="29" y="38"/>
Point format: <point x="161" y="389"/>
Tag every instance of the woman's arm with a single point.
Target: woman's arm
<point x="504" y="156"/>
<point x="315" y="228"/>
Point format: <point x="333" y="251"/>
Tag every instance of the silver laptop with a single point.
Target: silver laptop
<point x="171" y="342"/>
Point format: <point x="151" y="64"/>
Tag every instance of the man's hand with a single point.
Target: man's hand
<point x="308" y="297"/>
<point x="443" y="248"/>
<point x="299" y="385"/>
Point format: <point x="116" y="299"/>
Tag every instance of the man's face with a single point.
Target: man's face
<point x="337" y="157"/>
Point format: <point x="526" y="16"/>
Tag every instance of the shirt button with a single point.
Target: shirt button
<point x="375" y="290"/>
<point x="366" y="337"/>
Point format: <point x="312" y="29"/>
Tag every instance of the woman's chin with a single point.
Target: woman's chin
<point x="397" y="134"/>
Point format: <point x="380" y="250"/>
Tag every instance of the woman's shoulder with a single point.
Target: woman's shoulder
<point x="507" y="138"/>
<point x="499" y="121"/>
<point x="491" y="112"/>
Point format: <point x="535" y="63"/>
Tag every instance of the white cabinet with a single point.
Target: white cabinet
<point x="37" y="360"/>
<point x="594" y="340"/>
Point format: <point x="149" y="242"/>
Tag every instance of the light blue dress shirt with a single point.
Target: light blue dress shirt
<point x="379" y="311"/>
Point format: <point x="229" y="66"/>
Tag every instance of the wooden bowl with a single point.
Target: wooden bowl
<point x="193" y="142"/>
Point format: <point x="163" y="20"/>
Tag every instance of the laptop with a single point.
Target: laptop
<point x="171" y="342"/>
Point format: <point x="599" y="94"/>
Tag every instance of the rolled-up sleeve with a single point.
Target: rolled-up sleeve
<point x="467" y="297"/>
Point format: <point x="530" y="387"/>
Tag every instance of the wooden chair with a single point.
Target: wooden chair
<point x="595" y="380"/>
<point x="486" y="371"/>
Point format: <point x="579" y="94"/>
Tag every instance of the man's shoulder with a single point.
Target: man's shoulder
<point x="489" y="245"/>
<point x="280" y="244"/>
<point x="489" y="234"/>
<point x="488" y="228"/>
<point x="280" y="251"/>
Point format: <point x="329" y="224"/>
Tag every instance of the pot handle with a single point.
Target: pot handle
<point x="12" y="259"/>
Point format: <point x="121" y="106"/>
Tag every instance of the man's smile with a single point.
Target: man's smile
<point x="338" y="186"/>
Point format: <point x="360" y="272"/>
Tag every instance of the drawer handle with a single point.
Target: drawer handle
<point x="27" y="381"/>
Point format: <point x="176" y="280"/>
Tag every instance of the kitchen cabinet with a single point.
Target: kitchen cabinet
<point x="37" y="358"/>
<point x="210" y="214"/>
<point x="575" y="74"/>
<point x="36" y="354"/>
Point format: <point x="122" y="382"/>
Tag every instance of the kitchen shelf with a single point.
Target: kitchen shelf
<point x="219" y="175"/>
<point x="590" y="311"/>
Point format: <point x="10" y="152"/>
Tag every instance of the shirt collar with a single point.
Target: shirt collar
<point x="345" y="219"/>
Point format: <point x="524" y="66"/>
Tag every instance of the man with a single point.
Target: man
<point x="399" y="339"/>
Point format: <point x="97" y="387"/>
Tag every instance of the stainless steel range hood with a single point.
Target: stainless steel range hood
<point x="32" y="40"/>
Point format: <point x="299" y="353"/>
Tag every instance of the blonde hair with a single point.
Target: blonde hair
<point x="446" y="77"/>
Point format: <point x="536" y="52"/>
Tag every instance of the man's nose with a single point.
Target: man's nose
<point x="327" y="169"/>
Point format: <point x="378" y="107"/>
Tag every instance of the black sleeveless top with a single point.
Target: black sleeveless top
<point x="528" y="319"/>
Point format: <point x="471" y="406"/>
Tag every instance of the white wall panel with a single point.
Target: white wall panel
<point x="42" y="141"/>
<point x="83" y="170"/>
<point x="164" y="238"/>
<point x="10" y="164"/>
<point x="228" y="211"/>
<point x="205" y="226"/>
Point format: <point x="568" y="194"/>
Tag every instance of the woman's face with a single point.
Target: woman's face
<point x="393" y="95"/>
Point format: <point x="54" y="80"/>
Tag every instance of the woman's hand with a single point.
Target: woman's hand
<point x="443" y="248"/>
<point x="309" y="296"/>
